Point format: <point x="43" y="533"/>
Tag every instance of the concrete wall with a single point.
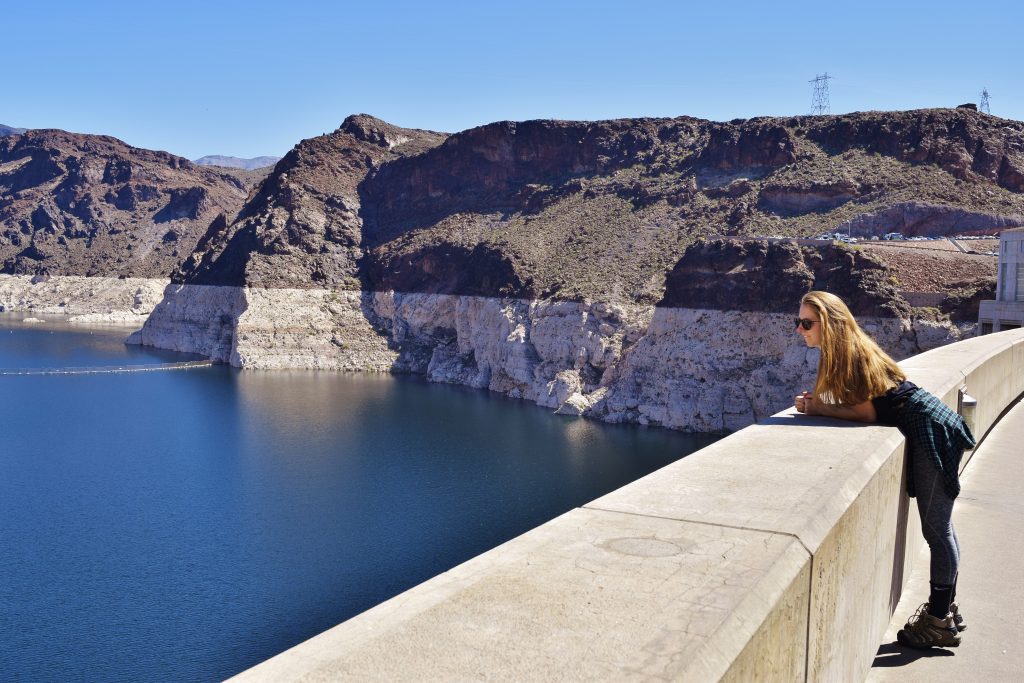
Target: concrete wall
<point x="1011" y="261"/>
<point x="1007" y="311"/>
<point x="777" y="553"/>
<point x="1001" y="315"/>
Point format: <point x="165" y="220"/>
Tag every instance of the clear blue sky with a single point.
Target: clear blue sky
<point x="253" y="78"/>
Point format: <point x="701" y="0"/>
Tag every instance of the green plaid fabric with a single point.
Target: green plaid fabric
<point x="933" y="431"/>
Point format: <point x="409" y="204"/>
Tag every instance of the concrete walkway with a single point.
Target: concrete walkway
<point x="989" y="519"/>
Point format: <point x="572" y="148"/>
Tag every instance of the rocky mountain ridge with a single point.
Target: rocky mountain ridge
<point x="87" y="205"/>
<point x="605" y="209"/>
<point x="302" y="227"/>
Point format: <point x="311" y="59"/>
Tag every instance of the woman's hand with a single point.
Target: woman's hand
<point x="800" y="402"/>
<point x="812" y="406"/>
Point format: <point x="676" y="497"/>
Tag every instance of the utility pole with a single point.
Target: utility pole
<point x="983" y="105"/>
<point x="819" y="102"/>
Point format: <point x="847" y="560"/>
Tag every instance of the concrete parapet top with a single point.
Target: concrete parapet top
<point x="782" y="475"/>
<point x="777" y="553"/>
<point x="591" y="595"/>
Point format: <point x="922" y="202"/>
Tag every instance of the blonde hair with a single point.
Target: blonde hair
<point x="852" y="368"/>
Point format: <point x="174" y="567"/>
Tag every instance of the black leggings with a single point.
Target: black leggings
<point x="936" y="509"/>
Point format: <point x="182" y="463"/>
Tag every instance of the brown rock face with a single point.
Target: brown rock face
<point x="812" y="197"/>
<point x="925" y="219"/>
<point x="302" y="227"/>
<point x="960" y="142"/>
<point x="553" y="209"/>
<point x="91" y="205"/>
<point x="606" y="209"/>
<point x="963" y="302"/>
<point x="754" y="143"/>
<point x="498" y="166"/>
<point x="771" y="276"/>
<point x="482" y="270"/>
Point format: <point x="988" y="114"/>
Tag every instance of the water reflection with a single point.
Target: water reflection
<point x="56" y="343"/>
<point x="187" y="525"/>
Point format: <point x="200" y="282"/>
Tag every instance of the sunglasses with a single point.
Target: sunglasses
<point x="805" y="323"/>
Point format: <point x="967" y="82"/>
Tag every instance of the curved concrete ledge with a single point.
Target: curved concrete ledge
<point x="778" y="553"/>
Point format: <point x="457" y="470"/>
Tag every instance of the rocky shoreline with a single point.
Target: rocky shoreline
<point x="691" y="364"/>
<point x="92" y="300"/>
<point x="691" y="369"/>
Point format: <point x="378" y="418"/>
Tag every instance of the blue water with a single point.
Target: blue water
<point x="184" y="525"/>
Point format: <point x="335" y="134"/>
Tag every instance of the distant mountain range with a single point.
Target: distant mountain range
<point x="235" y="162"/>
<point x="209" y="160"/>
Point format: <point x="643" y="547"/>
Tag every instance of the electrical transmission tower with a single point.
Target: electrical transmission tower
<point x="819" y="103"/>
<point x="983" y="105"/>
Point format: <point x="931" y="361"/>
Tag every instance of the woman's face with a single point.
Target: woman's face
<point x="812" y="337"/>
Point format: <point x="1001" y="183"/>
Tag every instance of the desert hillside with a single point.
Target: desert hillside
<point x="603" y="209"/>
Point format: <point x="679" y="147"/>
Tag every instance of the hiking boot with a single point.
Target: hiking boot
<point x="958" y="619"/>
<point x="924" y="631"/>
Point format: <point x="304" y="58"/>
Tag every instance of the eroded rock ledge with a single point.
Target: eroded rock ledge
<point x="94" y="300"/>
<point x="685" y="368"/>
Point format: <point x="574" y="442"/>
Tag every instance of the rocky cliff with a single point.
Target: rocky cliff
<point x="87" y="205"/>
<point x="716" y="353"/>
<point x="302" y="228"/>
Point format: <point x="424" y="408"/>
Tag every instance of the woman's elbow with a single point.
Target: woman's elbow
<point x="864" y="412"/>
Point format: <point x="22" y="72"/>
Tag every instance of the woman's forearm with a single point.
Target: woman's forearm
<point x="861" y="412"/>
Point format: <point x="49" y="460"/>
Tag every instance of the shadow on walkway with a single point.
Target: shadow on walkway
<point x="894" y="654"/>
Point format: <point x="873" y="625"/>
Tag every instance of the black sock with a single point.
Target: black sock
<point x="938" y="601"/>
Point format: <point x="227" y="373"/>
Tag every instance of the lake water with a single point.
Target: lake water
<point x="183" y="525"/>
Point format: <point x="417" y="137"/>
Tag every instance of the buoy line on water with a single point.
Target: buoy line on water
<point x="184" y="365"/>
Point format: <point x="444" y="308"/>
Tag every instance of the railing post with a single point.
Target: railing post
<point x="965" y="406"/>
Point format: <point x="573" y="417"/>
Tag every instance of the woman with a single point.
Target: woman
<point x="858" y="381"/>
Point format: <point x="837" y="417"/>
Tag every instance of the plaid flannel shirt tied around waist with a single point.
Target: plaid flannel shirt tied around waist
<point x="936" y="432"/>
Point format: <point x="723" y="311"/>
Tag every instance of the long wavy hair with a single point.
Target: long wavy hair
<point x="852" y="368"/>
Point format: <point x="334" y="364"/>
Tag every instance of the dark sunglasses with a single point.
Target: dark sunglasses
<point x="805" y="323"/>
